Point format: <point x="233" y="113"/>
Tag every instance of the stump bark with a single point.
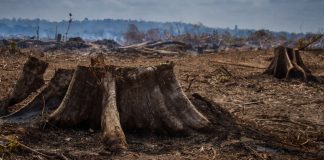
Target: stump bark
<point x="287" y="63"/>
<point x="47" y="100"/>
<point x="128" y="99"/>
<point x="30" y="80"/>
<point x="151" y="100"/>
<point x="90" y="102"/>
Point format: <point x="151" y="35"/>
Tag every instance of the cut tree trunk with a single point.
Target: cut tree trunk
<point x="30" y="80"/>
<point x="131" y="99"/>
<point x="91" y="102"/>
<point x="47" y="100"/>
<point x="151" y="99"/>
<point x="82" y="104"/>
<point x="287" y="63"/>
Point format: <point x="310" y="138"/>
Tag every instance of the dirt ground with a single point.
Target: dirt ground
<point x="267" y="118"/>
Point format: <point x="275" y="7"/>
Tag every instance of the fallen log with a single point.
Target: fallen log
<point x="159" y="51"/>
<point x="138" y="45"/>
<point x="29" y="81"/>
<point x="238" y="64"/>
<point x="156" y="44"/>
<point x="160" y="44"/>
<point x="146" y="51"/>
<point x="150" y="48"/>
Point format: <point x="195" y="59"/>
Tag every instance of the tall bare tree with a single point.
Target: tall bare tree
<point x="37" y="30"/>
<point x="263" y="36"/>
<point x="69" y="25"/>
<point x="152" y="34"/>
<point x="133" y="35"/>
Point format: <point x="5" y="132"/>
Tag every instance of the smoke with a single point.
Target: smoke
<point x="276" y="15"/>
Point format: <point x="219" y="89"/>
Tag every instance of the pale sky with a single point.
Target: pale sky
<point x="277" y="15"/>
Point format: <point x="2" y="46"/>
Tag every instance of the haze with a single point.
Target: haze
<point x="276" y="15"/>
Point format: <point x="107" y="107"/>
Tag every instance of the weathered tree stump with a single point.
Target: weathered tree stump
<point x="116" y="100"/>
<point x="47" y="100"/>
<point x="287" y="63"/>
<point x="151" y="99"/>
<point x="131" y="99"/>
<point x="91" y="102"/>
<point x="30" y="80"/>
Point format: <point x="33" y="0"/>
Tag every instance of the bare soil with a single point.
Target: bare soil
<point x="267" y="118"/>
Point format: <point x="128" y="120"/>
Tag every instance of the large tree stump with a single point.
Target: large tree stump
<point x="132" y="99"/>
<point x="47" y="100"/>
<point x="30" y="80"/>
<point x="151" y="99"/>
<point x="91" y="102"/>
<point x="287" y="63"/>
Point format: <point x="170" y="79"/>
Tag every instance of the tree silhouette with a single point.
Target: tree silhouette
<point x="133" y="35"/>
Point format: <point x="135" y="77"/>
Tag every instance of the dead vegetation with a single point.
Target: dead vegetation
<point x="148" y="99"/>
<point x="256" y="116"/>
<point x="154" y="49"/>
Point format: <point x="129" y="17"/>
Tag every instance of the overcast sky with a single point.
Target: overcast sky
<point x="277" y="15"/>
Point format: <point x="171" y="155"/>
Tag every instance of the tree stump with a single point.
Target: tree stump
<point x="91" y="102"/>
<point x="116" y="100"/>
<point x="30" y="80"/>
<point x="151" y="100"/>
<point x="47" y="100"/>
<point x="287" y="63"/>
<point x="131" y="99"/>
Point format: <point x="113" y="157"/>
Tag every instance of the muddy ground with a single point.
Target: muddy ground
<point x="268" y="118"/>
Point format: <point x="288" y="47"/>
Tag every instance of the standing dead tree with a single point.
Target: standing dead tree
<point x="69" y="25"/>
<point x="37" y="30"/>
<point x="133" y="35"/>
<point x="262" y="36"/>
<point x="30" y="80"/>
<point x="152" y="34"/>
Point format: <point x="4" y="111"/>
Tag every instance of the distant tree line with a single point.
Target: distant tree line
<point x="130" y="31"/>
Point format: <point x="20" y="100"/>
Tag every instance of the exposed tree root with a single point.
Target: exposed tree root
<point x="30" y="80"/>
<point x="23" y="146"/>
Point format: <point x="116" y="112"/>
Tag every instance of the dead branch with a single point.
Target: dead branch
<point x="190" y="83"/>
<point x="25" y="147"/>
<point x="310" y="43"/>
<point x="238" y="64"/>
<point x="224" y="70"/>
<point x="250" y="103"/>
<point x="159" y="44"/>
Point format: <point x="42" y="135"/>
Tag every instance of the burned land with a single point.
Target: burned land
<point x="251" y="115"/>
